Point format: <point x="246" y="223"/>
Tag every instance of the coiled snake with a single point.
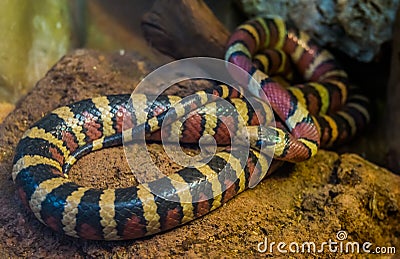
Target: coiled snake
<point x="317" y="113"/>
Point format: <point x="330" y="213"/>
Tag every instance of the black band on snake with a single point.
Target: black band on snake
<point x="316" y="113"/>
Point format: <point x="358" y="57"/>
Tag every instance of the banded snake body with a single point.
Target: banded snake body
<point x="318" y="113"/>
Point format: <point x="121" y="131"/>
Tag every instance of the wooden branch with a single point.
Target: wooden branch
<point x="185" y="28"/>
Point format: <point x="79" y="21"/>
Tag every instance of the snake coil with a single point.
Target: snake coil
<point x="317" y="113"/>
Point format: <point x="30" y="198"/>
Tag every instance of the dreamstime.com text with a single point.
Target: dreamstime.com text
<point x="340" y="245"/>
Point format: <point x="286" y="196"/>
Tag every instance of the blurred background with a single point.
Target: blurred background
<point x="35" y="34"/>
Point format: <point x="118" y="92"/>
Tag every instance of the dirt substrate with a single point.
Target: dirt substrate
<point x="311" y="201"/>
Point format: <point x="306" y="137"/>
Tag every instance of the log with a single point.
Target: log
<point x="185" y="28"/>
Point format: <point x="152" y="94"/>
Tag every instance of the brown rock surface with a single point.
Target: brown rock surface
<point x="310" y="201"/>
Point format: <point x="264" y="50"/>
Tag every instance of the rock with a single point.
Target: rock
<point x="311" y="201"/>
<point x="357" y="28"/>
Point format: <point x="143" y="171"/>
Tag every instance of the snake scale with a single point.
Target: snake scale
<point x="317" y="113"/>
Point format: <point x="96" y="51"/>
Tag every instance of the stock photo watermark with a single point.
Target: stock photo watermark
<point x="339" y="245"/>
